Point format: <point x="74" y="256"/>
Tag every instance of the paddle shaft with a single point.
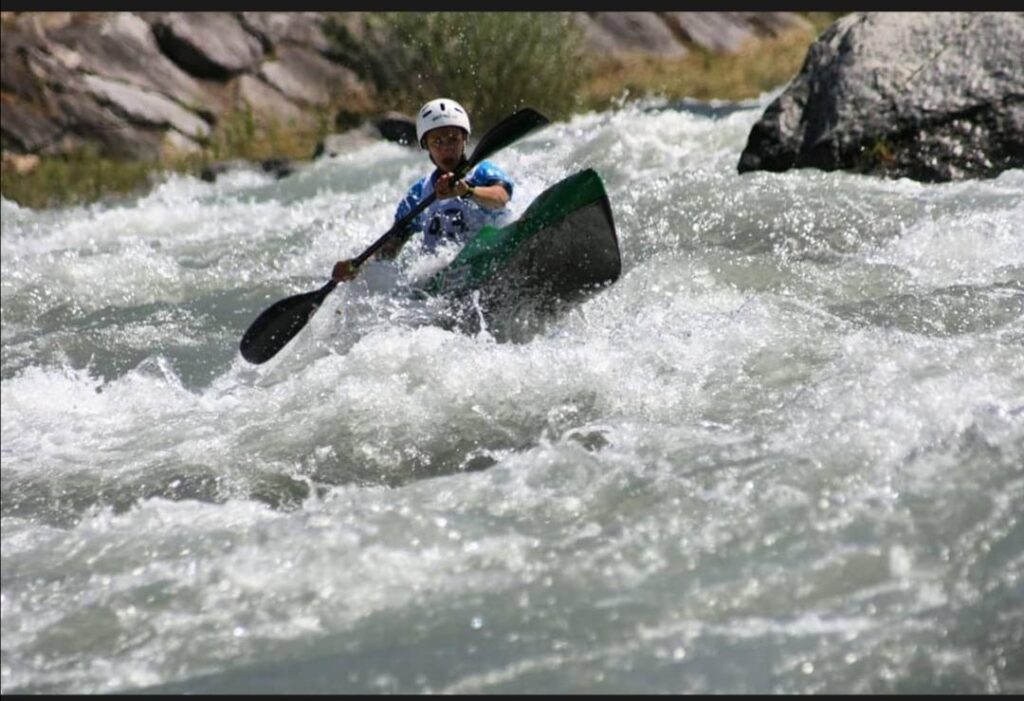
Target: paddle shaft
<point x="460" y="172"/>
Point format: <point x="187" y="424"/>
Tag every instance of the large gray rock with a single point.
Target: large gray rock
<point x="390" y="126"/>
<point x="298" y="28"/>
<point x="623" y="33"/>
<point x="714" y="31"/>
<point x="397" y="127"/>
<point x="307" y="77"/>
<point x="25" y="127"/>
<point x="773" y="23"/>
<point x="270" y="106"/>
<point x="729" y="32"/>
<point x="86" y="122"/>
<point x="144" y="107"/>
<point x="207" y="44"/>
<point x="336" y="144"/>
<point x="121" y="46"/>
<point x="29" y="71"/>
<point x="929" y="96"/>
<point x="16" y="77"/>
<point x="45" y="110"/>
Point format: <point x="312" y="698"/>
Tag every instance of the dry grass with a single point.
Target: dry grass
<point x="86" y="176"/>
<point x="759" y="67"/>
<point x="79" y="178"/>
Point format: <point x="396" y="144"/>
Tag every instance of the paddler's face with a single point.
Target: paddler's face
<point x="446" y="145"/>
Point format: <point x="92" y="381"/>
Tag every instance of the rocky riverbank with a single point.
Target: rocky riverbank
<point x="929" y="96"/>
<point x="154" y="84"/>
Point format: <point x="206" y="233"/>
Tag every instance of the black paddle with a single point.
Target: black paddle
<point x="279" y="323"/>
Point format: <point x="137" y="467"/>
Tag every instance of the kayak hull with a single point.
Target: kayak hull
<point x="561" y="251"/>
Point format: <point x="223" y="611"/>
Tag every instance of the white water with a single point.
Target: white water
<point x="783" y="453"/>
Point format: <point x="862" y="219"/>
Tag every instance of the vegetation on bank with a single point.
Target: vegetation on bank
<point x="494" y="62"/>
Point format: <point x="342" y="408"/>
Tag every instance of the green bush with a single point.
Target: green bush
<point x="492" y="62"/>
<point x="76" y="178"/>
<point x="87" y="175"/>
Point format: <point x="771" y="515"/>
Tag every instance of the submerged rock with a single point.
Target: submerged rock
<point x="278" y="167"/>
<point x="390" y="126"/>
<point x="929" y="96"/>
<point x="397" y="127"/>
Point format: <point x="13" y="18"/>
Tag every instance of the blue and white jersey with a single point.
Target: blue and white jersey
<point x="455" y="220"/>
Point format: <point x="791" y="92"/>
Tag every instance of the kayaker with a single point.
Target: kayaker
<point x="462" y="207"/>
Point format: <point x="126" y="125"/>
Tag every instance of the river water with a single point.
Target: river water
<point x="783" y="453"/>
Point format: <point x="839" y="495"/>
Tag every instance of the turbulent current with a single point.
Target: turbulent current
<point x="783" y="453"/>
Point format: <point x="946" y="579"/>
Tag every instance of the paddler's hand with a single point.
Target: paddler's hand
<point x="446" y="189"/>
<point x="344" y="270"/>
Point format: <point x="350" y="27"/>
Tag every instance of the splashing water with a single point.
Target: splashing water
<point x="784" y="453"/>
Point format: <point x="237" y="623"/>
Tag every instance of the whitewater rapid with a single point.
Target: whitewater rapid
<point x="783" y="453"/>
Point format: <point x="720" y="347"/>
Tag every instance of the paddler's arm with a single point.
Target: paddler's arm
<point x="393" y="247"/>
<point x="345" y="270"/>
<point x="487" y="196"/>
<point x="490" y="196"/>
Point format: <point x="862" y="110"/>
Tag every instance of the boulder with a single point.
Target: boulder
<point x="175" y="145"/>
<point x="27" y="69"/>
<point x="729" y="32"/>
<point x="714" y="31"/>
<point x="16" y="77"/>
<point x="207" y="44"/>
<point x="623" y="33"/>
<point x="144" y="107"/>
<point x="25" y="128"/>
<point x="391" y="126"/>
<point x="121" y="46"/>
<point x="35" y="26"/>
<point x="774" y="23"/>
<point x="211" y="171"/>
<point x="278" y="167"/>
<point x="87" y="122"/>
<point x="929" y="96"/>
<point x="304" y="76"/>
<point x="297" y="28"/>
<point x="397" y="127"/>
<point x="270" y="105"/>
<point x="336" y="144"/>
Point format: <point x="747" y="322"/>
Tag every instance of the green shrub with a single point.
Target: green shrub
<point x="240" y="134"/>
<point x="77" y="178"/>
<point x="87" y="175"/>
<point x="492" y="62"/>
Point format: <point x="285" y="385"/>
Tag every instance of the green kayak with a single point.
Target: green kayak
<point x="559" y="252"/>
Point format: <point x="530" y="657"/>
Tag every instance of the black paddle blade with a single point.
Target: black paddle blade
<point x="508" y="130"/>
<point x="279" y="323"/>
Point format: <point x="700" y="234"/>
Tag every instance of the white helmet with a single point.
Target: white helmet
<point x="441" y="112"/>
